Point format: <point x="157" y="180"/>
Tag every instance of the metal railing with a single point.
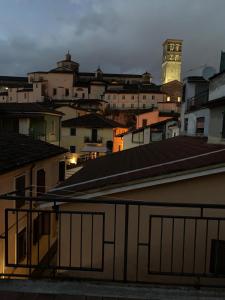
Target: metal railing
<point x="117" y="240"/>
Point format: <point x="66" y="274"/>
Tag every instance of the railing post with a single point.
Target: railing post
<point x="126" y="232"/>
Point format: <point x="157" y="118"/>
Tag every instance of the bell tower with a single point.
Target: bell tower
<point x="171" y="61"/>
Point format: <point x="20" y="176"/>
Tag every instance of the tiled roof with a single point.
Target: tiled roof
<point x="18" y="150"/>
<point x="91" y="121"/>
<point x="156" y="159"/>
<point x="25" y="108"/>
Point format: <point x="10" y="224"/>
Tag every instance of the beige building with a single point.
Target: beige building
<point x="149" y="214"/>
<point x="27" y="168"/>
<point x="88" y="136"/>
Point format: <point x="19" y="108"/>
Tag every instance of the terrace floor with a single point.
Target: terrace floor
<point x="85" y="290"/>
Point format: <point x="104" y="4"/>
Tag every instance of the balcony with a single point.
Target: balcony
<point x="121" y="240"/>
<point x="197" y="102"/>
<point x="90" y="140"/>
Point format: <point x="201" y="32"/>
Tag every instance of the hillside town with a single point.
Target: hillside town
<point x="114" y="177"/>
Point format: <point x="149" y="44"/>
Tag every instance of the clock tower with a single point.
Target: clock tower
<point x="171" y="62"/>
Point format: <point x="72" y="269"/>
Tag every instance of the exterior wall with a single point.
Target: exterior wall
<point x="217" y="87"/>
<point x="118" y="141"/>
<point x="131" y="140"/>
<point x="151" y="117"/>
<point x="80" y="92"/>
<point x="96" y="91"/>
<point x="105" y="134"/>
<point x="173" y="89"/>
<point x="216" y="125"/>
<point x="101" y="230"/>
<point x="171" y="71"/>
<point x="142" y="100"/>
<point x="7" y="180"/>
<point x="70" y="113"/>
<point x="192" y="117"/>
<point x="24" y="126"/>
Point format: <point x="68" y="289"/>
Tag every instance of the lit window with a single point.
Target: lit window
<point x="153" y="97"/>
<point x="168" y="99"/>
<point x="178" y="99"/>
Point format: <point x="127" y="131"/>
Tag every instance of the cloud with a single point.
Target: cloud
<point x="119" y="35"/>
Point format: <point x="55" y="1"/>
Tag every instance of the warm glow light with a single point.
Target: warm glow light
<point x="73" y="160"/>
<point x="179" y="99"/>
<point x="168" y="99"/>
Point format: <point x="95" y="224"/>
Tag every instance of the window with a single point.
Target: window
<point x="217" y="258"/>
<point x="73" y="131"/>
<point x="144" y="122"/>
<point x="114" y="105"/>
<point x="178" y="99"/>
<point x="144" y="105"/>
<point x="144" y="97"/>
<point x="123" y="97"/>
<point x="25" y="95"/>
<point x="62" y="170"/>
<point x="168" y="99"/>
<point x="41" y="226"/>
<point x="40" y="182"/>
<point x="52" y="127"/>
<point x="153" y="97"/>
<point x="67" y="92"/>
<point x="36" y="85"/>
<point x="138" y="137"/>
<point x="114" y="97"/>
<point x="83" y="95"/>
<point x="73" y="149"/>
<point x="20" y="190"/>
<point x="200" y="125"/>
<point x="185" y="124"/>
<point x="132" y="97"/>
<point x="223" y="126"/>
<point x="75" y="95"/>
<point x="54" y="92"/>
<point x="123" y="105"/>
<point x="21" y="245"/>
<point x="108" y="97"/>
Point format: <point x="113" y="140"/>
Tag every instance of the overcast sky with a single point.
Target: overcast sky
<point x="119" y="35"/>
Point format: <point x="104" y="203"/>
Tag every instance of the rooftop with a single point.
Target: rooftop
<point x="178" y="154"/>
<point x="26" y="109"/>
<point x="91" y="121"/>
<point x="18" y="150"/>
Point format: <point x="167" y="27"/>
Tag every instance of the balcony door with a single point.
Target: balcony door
<point x="94" y="135"/>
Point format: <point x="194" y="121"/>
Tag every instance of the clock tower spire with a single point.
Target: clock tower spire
<point x="171" y="62"/>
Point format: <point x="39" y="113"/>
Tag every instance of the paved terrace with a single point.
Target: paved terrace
<point x="83" y="290"/>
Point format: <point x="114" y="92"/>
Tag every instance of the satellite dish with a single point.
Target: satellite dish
<point x="208" y="72"/>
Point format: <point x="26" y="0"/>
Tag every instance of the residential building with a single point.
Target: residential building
<point x="133" y="97"/>
<point x="28" y="167"/>
<point x="194" y="113"/>
<point x="216" y="105"/>
<point x="172" y="56"/>
<point x="31" y="119"/>
<point x="88" y="136"/>
<point x="173" y="90"/>
<point x="157" y="131"/>
<point x="152" y="212"/>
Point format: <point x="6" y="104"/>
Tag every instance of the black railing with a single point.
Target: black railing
<point x="116" y="240"/>
<point x="93" y="140"/>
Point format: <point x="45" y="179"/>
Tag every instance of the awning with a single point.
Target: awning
<point x="89" y="148"/>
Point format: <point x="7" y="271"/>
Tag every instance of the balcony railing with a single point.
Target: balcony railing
<point x="118" y="240"/>
<point x="91" y="140"/>
<point x="197" y="102"/>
